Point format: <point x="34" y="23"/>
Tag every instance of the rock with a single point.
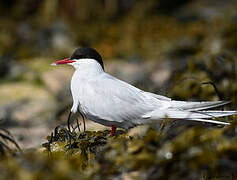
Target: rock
<point x="138" y="131"/>
<point x="6" y="113"/>
<point x="10" y="68"/>
<point x="30" y="136"/>
<point x="58" y="80"/>
<point x="27" y="103"/>
<point x="161" y="73"/>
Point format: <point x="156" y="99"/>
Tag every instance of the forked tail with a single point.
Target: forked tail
<point x="195" y="111"/>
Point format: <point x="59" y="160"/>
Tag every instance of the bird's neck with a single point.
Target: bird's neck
<point x="87" y="68"/>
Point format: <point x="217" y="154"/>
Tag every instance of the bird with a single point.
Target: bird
<point x="104" y="99"/>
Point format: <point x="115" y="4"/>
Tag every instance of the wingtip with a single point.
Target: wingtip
<point x="211" y="121"/>
<point x="225" y="123"/>
<point x="226" y="102"/>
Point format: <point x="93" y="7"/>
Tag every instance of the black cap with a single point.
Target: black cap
<point x="90" y="53"/>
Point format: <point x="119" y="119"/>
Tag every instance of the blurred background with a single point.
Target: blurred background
<point x="184" y="49"/>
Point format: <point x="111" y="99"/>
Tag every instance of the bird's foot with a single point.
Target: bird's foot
<point x="113" y="130"/>
<point x="61" y="132"/>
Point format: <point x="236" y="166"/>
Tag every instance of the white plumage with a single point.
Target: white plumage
<point x="107" y="100"/>
<point x="110" y="101"/>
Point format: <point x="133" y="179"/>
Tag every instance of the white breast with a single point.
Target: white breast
<point x="85" y="71"/>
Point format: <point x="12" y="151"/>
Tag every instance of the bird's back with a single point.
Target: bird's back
<point x="105" y="98"/>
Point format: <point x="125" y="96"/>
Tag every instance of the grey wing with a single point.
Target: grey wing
<point x="117" y="101"/>
<point x="159" y="97"/>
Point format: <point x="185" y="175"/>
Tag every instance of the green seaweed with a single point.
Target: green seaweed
<point x="196" y="152"/>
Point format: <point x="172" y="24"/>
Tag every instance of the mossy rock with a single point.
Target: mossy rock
<point x="190" y="152"/>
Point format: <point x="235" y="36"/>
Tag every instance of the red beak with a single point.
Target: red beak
<point x="64" y="61"/>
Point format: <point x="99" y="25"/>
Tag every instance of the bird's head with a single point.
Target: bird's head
<point x="81" y="54"/>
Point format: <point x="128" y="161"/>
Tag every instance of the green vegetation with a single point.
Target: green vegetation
<point x="186" y="152"/>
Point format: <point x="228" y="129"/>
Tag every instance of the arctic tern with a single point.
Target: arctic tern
<point x="104" y="99"/>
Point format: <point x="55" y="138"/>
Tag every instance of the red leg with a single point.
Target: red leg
<point x="112" y="133"/>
